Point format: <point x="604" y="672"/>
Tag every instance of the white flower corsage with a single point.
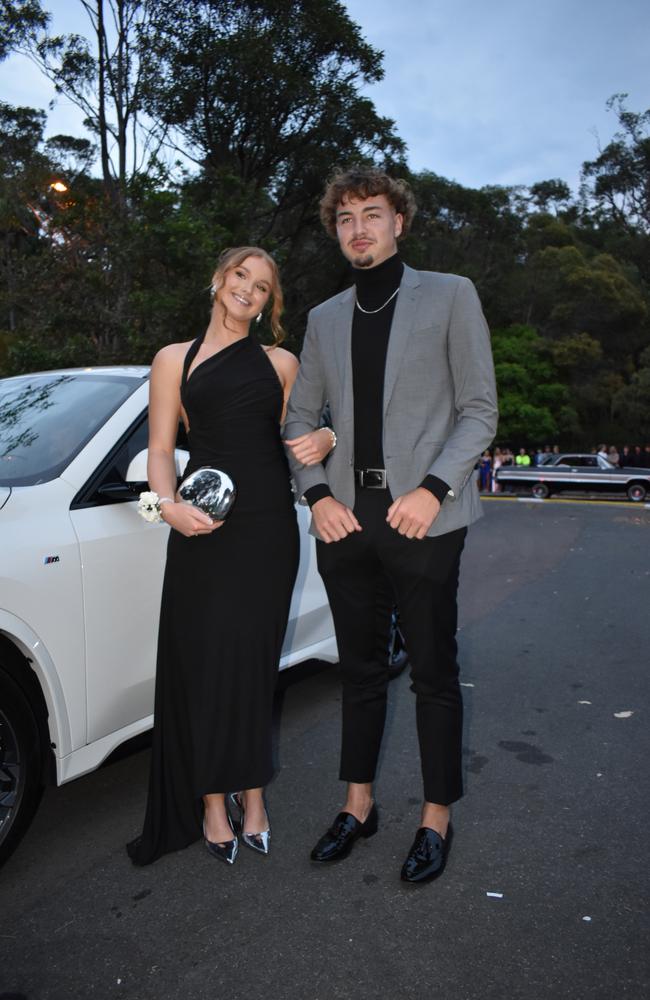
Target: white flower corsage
<point x="149" y="506"/>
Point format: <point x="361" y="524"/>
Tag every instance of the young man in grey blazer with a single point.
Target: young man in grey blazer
<point x="403" y="358"/>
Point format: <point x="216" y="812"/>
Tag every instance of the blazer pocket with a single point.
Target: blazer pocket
<point x="432" y="330"/>
<point x="431" y="442"/>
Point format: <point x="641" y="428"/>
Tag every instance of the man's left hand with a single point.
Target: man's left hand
<point x="414" y="513"/>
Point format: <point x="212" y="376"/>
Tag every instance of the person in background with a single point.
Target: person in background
<point x="625" y="459"/>
<point x="497" y="462"/>
<point x="485" y="472"/>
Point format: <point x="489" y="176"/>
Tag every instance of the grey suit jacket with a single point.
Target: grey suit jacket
<point x="440" y="410"/>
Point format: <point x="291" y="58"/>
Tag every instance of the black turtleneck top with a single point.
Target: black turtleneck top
<point x="370" y="335"/>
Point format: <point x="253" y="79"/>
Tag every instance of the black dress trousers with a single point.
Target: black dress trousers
<point x="424" y="576"/>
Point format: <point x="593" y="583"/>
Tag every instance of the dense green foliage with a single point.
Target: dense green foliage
<point x="215" y="123"/>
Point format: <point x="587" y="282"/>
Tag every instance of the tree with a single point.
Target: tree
<point x="631" y="404"/>
<point x="618" y="180"/>
<point x="572" y="291"/>
<point x="554" y="194"/>
<point x="576" y="356"/>
<point x="24" y="179"/>
<point x="103" y="80"/>
<point x="20" y="22"/>
<point x="534" y="406"/>
<point x="471" y="232"/>
<point x="263" y="95"/>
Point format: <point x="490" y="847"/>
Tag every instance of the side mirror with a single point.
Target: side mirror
<point x="137" y="470"/>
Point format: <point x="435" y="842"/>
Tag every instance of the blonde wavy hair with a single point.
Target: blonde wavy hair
<point x="233" y="257"/>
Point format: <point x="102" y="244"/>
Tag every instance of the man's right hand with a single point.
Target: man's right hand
<point x="333" y="520"/>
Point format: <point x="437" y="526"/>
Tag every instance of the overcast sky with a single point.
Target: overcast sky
<point x="507" y="91"/>
<point x="501" y="92"/>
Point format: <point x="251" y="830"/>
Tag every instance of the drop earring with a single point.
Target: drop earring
<point x="258" y="317"/>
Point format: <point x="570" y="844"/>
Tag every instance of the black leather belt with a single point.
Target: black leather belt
<point x="371" y="479"/>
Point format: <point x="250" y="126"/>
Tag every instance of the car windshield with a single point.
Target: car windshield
<point x="45" y="420"/>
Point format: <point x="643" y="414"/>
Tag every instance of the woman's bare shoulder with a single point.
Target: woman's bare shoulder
<point x="282" y="359"/>
<point x="171" y="355"/>
<point x="171" y="352"/>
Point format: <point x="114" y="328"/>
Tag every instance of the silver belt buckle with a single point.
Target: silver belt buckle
<point x="379" y="473"/>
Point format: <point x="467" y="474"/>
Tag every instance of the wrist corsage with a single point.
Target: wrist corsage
<point x="149" y="506"/>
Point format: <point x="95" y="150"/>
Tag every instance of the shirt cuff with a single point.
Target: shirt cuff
<point x="438" y="487"/>
<point x="317" y="492"/>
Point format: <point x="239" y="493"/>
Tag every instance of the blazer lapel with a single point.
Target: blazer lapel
<point x="342" y="337"/>
<point x="401" y="329"/>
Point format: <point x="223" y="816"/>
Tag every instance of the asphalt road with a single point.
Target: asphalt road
<point x="545" y="893"/>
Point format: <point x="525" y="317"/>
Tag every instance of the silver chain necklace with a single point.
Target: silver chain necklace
<point x="371" y="312"/>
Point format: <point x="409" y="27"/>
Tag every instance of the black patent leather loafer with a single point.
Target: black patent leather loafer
<point x="339" y="840"/>
<point x="428" y="855"/>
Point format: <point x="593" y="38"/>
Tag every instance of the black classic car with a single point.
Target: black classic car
<point x="572" y="472"/>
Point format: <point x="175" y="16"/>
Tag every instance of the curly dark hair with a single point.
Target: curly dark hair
<point x="365" y="182"/>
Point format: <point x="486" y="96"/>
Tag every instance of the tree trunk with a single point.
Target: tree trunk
<point x="101" y="99"/>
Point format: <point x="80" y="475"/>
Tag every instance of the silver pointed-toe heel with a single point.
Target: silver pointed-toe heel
<point x="260" y="842"/>
<point x="226" y="851"/>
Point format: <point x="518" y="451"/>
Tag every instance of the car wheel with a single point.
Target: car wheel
<point x="636" y="492"/>
<point x="540" y="491"/>
<point x="397" y="654"/>
<point x="20" y="768"/>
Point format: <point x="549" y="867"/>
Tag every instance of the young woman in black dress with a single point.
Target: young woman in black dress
<point x="228" y="584"/>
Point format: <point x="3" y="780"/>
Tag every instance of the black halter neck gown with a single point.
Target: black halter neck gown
<point x="225" y="603"/>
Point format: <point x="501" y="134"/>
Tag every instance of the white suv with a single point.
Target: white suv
<point x="80" y="581"/>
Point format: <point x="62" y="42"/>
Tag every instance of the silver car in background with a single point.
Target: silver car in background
<point x="576" y="472"/>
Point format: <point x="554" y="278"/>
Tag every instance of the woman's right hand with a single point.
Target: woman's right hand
<point x="313" y="447"/>
<point x="190" y="521"/>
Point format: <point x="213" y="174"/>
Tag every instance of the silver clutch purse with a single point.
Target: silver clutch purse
<point x="211" y="490"/>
